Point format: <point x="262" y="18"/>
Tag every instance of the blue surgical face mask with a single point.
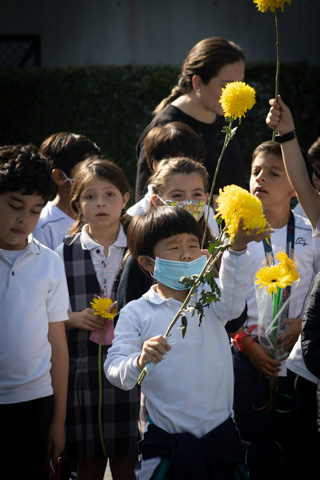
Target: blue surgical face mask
<point x="169" y="272"/>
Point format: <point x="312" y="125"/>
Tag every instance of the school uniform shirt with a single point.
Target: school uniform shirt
<point x="142" y="207"/>
<point x="307" y="255"/>
<point x="53" y="225"/>
<point x="113" y="257"/>
<point x="191" y="390"/>
<point x="33" y="293"/>
<point x="296" y="361"/>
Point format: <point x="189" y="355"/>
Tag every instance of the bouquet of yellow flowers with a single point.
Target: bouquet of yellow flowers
<point x="278" y="286"/>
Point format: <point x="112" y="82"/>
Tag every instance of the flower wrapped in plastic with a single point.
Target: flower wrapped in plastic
<point x="278" y="286"/>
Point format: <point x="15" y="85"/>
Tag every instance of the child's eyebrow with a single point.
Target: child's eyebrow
<point x="16" y="199"/>
<point x="20" y="200"/>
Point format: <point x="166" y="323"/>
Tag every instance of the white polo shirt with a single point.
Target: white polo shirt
<point x="307" y="254"/>
<point x="53" y="225"/>
<point x="33" y="292"/>
<point x="192" y="389"/>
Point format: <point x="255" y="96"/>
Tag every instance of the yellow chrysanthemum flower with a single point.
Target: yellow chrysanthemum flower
<point x="236" y="99"/>
<point x="272" y="278"/>
<point x="235" y="202"/>
<point x="272" y="5"/>
<point x="288" y="265"/>
<point x="101" y="306"/>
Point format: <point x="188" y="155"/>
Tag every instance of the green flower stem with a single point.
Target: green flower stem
<point x="100" y="395"/>
<point x="276" y="303"/>
<point x="227" y="139"/>
<point x="278" y="65"/>
<point x="209" y="263"/>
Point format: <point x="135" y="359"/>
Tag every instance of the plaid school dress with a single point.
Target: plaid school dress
<point x="120" y="408"/>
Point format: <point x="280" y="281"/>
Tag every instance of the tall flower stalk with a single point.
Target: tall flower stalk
<point x="101" y="306"/>
<point x="236" y="99"/>
<point x="273" y="5"/>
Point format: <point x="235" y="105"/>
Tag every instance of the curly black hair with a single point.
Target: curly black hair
<point x="23" y="168"/>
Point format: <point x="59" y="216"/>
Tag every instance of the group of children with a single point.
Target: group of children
<point x="204" y="408"/>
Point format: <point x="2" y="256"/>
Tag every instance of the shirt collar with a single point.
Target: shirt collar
<point x="153" y="297"/>
<point x="88" y="243"/>
<point x="33" y="246"/>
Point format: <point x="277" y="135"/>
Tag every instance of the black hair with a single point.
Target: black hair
<point x="66" y="149"/>
<point x="23" y="168"/>
<point x="145" y="231"/>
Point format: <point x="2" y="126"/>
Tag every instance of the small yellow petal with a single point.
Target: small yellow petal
<point x="265" y="5"/>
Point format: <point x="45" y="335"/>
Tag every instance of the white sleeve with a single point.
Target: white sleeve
<point x="58" y="296"/>
<point x="234" y="282"/>
<point x="121" y="366"/>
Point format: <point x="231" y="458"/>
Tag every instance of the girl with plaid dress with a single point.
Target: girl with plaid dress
<point x="92" y="256"/>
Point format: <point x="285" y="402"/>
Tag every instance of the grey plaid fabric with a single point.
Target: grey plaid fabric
<point x="120" y="408"/>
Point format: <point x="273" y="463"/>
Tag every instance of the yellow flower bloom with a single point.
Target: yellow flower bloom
<point x="101" y="306"/>
<point x="272" y="278"/>
<point x="265" y="5"/>
<point x="235" y="202"/>
<point x="236" y="99"/>
<point x="288" y="265"/>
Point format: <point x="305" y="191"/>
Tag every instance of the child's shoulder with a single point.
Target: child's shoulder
<point x="50" y="213"/>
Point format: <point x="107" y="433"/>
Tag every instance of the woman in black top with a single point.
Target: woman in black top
<point x="210" y="65"/>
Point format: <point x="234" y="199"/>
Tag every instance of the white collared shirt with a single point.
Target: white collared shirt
<point x="33" y="292"/>
<point x="113" y="259"/>
<point x="53" y="225"/>
<point x="192" y="389"/>
<point x="307" y="254"/>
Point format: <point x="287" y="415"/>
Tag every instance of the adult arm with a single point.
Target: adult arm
<point x="280" y="117"/>
<point x="310" y="333"/>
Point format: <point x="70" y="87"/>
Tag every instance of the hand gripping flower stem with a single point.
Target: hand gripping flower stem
<point x="236" y="99"/>
<point x="209" y="264"/>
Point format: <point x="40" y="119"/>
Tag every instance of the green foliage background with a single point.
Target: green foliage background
<point x="112" y="105"/>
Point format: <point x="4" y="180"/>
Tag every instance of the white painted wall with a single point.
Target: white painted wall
<point x="121" y="32"/>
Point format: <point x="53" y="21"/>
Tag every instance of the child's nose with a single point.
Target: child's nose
<point x="261" y="176"/>
<point x="186" y="255"/>
<point x="101" y="201"/>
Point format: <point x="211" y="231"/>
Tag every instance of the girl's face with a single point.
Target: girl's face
<point x="182" y="186"/>
<point x="211" y="92"/>
<point x="101" y="203"/>
<point x="183" y="247"/>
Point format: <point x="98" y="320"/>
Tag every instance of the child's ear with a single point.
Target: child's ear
<point x="125" y="199"/>
<point x="57" y="176"/>
<point x="156" y="201"/>
<point x="146" y="263"/>
<point x="77" y="205"/>
<point x="293" y="193"/>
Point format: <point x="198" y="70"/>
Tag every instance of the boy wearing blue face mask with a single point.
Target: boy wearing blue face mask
<point x="189" y="396"/>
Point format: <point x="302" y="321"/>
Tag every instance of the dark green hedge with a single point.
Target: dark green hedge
<point x="112" y="105"/>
